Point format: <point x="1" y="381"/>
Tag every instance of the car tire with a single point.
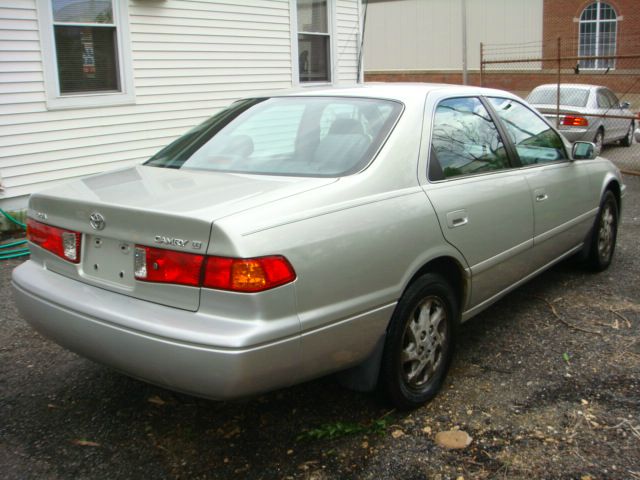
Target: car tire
<point x="598" y="140"/>
<point x="627" y="141"/>
<point x="604" y="234"/>
<point x="419" y="343"/>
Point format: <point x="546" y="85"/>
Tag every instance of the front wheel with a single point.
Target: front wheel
<point x="604" y="233"/>
<point x="419" y="343"/>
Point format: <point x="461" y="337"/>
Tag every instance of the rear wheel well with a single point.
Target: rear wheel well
<point x="451" y="270"/>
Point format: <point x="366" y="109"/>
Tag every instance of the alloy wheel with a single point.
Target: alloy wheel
<point x="424" y="339"/>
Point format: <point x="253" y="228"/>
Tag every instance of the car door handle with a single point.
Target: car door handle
<point x="457" y="218"/>
<point x="541" y="197"/>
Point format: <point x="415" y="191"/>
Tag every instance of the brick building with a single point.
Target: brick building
<point x="584" y="27"/>
<point x="593" y="28"/>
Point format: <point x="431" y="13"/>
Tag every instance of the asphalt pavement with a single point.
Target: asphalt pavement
<point x="546" y="383"/>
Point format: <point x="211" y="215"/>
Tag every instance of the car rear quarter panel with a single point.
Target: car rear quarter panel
<point x="354" y="244"/>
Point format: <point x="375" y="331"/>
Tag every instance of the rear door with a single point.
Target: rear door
<point x="560" y="189"/>
<point x="619" y="126"/>
<point x="482" y="203"/>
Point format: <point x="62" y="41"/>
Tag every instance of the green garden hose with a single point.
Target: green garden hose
<point x="19" y="252"/>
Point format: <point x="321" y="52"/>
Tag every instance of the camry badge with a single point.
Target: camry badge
<point x="96" y="220"/>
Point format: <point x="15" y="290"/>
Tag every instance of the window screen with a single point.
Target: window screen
<point x="313" y="41"/>
<point x="86" y="46"/>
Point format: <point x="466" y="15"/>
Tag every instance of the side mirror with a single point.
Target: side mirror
<point x="583" y="151"/>
<point x="625" y="105"/>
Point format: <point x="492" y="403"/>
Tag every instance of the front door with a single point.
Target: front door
<point x="559" y="188"/>
<point x="483" y="204"/>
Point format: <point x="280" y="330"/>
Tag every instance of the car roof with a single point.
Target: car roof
<point x="393" y="91"/>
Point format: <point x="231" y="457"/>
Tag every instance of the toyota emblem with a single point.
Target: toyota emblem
<point x="96" y="220"/>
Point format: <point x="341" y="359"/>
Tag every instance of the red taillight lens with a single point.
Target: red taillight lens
<point x="573" y="121"/>
<point x="247" y="274"/>
<point x="64" y="243"/>
<point x="222" y="273"/>
<point x="167" y="266"/>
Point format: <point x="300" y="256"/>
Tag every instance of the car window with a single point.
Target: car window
<point x="604" y="101"/>
<point x="300" y="136"/>
<point x="465" y="140"/>
<point x="613" y="99"/>
<point x="570" y="96"/>
<point x="534" y="139"/>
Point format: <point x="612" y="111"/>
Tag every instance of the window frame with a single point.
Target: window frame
<point x="295" y="66"/>
<point x="55" y="100"/>
<point x="598" y="64"/>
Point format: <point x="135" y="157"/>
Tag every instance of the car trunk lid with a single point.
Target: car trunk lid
<point x="157" y="207"/>
<point x="549" y="112"/>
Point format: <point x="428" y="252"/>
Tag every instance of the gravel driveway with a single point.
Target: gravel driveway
<point x="546" y="382"/>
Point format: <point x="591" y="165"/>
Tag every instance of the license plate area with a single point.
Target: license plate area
<point x="109" y="260"/>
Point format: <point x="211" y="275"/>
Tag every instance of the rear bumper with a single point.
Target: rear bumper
<point x="101" y="325"/>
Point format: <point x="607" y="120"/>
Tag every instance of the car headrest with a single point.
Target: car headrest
<point x="346" y="126"/>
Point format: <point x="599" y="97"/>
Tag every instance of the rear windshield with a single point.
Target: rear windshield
<point x="299" y="136"/>
<point x="572" y="96"/>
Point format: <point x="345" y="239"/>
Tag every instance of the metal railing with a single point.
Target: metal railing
<point x="607" y="115"/>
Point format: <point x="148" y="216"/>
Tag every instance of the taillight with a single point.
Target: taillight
<point x="573" y="121"/>
<point x="247" y="274"/>
<point x="221" y="273"/>
<point x="167" y="266"/>
<point x="64" y="243"/>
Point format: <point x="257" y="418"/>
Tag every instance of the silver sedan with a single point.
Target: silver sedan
<point x="588" y="113"/>
<point x="291" y="236"/>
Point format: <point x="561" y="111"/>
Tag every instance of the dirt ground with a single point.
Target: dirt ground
<point x="546" y="382"/>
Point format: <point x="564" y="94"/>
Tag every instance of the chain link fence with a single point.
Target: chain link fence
<point x="594" y="98"/>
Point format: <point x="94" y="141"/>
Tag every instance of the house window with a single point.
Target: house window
<point x="598" y="26"/>
<point x="314" y="41"/>
<point x="85" y="48"/>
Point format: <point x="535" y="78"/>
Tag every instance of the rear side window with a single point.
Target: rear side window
<point x="534" y="140"/>
<point x="464" y="141"/>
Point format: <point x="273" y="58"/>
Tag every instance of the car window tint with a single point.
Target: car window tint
<point x="613" y="99"/>
<point x="301" y="136"/>
<point x="604" y="101"/>
<point x="571" y="96"/>
<point x="534" y="139"/>
<point x="465" y="140"/>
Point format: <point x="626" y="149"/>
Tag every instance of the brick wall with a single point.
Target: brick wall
<point x="559" y="21"/>
<point x="520" y="82"/>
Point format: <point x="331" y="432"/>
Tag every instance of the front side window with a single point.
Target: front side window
<point x="292" y="136"/>
<point x="84" y="45"/>
<point x="314" y="41"/>
<point x="535" y="141"/>
<point x="604" y="101"/>
<point x="597" y="37"/>
<point x="464" y="141"/>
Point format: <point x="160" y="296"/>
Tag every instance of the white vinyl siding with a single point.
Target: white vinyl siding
<point x="347" y="42"/>
<point x="190" y="59"/>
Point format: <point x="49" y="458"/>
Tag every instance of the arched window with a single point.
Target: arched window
<point x="598" y="25"/>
